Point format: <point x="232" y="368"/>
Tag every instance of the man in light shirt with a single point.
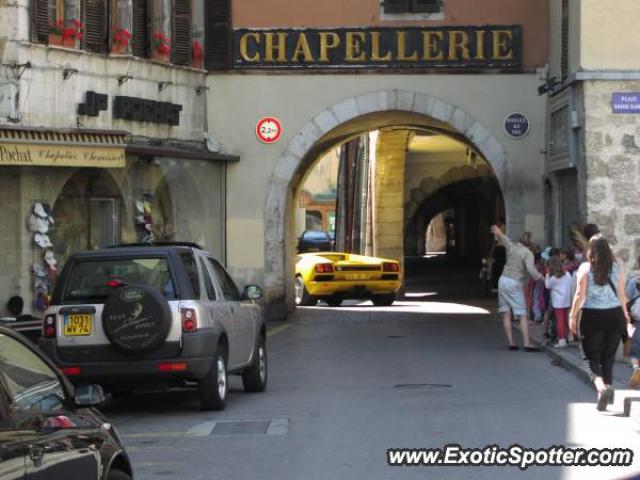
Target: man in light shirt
<point x="511" y="299"/>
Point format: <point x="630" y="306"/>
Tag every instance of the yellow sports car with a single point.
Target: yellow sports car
<point x="332" y="277"/>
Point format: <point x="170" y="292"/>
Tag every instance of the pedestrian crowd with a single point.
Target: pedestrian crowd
<point x="578" y="295"/>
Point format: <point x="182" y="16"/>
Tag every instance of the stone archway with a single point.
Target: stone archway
<point x="278" y="285"/>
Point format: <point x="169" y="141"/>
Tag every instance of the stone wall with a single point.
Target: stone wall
<point x="612" y="163"/>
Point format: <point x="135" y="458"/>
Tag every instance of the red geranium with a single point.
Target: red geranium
<point x="73" y="31"/>
<point x="198" y="53"/>
<point x="161" y="44"/>
<point x="121" y="37"/>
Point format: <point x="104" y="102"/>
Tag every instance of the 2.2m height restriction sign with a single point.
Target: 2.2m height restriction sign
<point x="269" y="130"/>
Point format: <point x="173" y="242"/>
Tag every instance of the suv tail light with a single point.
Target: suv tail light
<point x="189" y="320"/>
<point x="49" y="327"/>
<point x="324" y="268"/>
<point x="390" y="267"/>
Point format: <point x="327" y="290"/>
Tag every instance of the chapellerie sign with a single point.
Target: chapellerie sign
<point x="61" y="155"/>
<point x="486" y="47"/>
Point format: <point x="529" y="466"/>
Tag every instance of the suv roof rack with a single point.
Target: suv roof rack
<point x="157" y="244"/>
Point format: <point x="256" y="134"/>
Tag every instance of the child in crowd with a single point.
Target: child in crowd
<point x="558" y="281"/>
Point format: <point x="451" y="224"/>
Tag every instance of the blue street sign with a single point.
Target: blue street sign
<point x="516" y="125"/>
<point x="626" y="102"/>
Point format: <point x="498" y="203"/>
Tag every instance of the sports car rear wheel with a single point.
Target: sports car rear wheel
<point x="383" y="300"/>
<point x="333" y="301"/>
<point x="303" y="298"/>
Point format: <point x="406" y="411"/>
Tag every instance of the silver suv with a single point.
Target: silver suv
<point x="141" y="316"/>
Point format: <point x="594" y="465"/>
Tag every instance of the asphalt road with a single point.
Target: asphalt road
<point x="347" y="384"/>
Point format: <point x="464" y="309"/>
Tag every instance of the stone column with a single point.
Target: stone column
<point x="389" y="194"/>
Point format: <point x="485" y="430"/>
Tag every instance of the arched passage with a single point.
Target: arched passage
<point x="342" y="121"/>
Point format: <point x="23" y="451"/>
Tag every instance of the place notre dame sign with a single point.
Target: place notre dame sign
<point x="494" y="47"/>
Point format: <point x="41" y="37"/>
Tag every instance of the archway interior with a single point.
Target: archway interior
<point x="408" y="182"/>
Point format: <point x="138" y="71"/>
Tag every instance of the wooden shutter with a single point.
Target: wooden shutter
<point x="95" y="25"/>
<point x="181" y="37"/>
<point x="40" y="21"/>
<point x="217" y="28"/>
<point x="140" y="24"/>
<point x="396" y="6"/>
<point x="564" y="60"/>
<point x="425" y="6"/>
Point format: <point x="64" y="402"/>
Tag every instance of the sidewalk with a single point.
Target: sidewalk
<point x="569" y="357"/>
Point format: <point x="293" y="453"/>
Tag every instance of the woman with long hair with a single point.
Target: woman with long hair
<point x="600" y="295"/>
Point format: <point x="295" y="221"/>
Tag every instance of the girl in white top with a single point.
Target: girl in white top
<point x="558" y="281"/>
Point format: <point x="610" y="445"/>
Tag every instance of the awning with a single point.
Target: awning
<point x="62" y="148"/>
<point x="138" y="148"/>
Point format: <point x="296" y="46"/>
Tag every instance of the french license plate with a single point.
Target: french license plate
<point x="78" y="325"/>
<point x="357" y="276"/>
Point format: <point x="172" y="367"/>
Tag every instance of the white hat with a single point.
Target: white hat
<point x="50" y="258"/>
<point x="32" y="223"/>
<point x="42" y="225"/>
<point x="140" y="218"/>
<point x="140" y="206"/>
<point x="42" y="240"/>
<point x="39" y="210"/>
<point x="38" y="270"/>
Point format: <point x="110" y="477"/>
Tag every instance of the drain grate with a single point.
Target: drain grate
<point x="244" y="427"/>
<point x="415" y="386"/>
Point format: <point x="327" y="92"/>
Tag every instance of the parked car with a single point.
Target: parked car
<point x="138" y="316"/>
<point x="333" y="277"/>
<point x="48" y="429"/>
<point x="26" y="325"/>
<point x="314" y="241"/>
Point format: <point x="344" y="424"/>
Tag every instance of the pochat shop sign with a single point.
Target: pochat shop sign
<point x="493" y="47"/>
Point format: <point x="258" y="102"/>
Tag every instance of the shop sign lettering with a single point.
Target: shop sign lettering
<point x="486" y="47"/>
<point x="61" y="156"/>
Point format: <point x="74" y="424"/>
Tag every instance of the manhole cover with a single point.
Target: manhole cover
<point x="247" y="427"/>
<point x="422" y="385"/>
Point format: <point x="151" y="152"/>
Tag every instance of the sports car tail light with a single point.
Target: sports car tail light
<point x="189" y="320"/>
<point x="172" y="367"/>
<point x="324" y="268"/>
<point x="49" y="326"/>
<point x="70" y="371"/>
<point x="390" y="267"/>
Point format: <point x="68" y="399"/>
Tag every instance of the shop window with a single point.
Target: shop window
<point x="395" y="7"/>
<point x="104" y="226"/>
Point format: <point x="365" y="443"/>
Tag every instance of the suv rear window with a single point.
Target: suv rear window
<point x="97" y="279"/>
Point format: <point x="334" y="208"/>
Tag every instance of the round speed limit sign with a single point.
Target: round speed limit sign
<point x="269" y="130"/>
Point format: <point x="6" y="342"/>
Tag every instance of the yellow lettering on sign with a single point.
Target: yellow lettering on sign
<point x="302" y="48"/>
<point x="402" y="49"/>
<point x="328" y="41"/>
<point x="432" y="46"/>
<point x="458" y="42"/>
<point x="61" y="155"/>
<point x="376" y="56"/>
<point x="354" y="42"/>
<point x="280" y="47"/>
<point x="480" y="45"/>
<point x="244" y="47"/>
<point x="501" y="45"/>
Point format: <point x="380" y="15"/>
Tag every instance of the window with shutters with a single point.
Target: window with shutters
<point x="217" y="28"/>
<point x="95" y="25"/>
<point x="564" y="59"/>
<point x="411" y="9"/>
<point x="140" y="19"/>
<point x="56" y="22"/>
<point x="161" y="27"/>
<point x="121" y="13"/>
<point x="197" y="25"/>
<point x="181" y="32"/>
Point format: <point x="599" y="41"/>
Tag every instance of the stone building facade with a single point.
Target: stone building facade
<point x="589" y="133"/>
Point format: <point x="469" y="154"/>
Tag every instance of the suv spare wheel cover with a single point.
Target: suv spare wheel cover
<point x="136" y="319"/>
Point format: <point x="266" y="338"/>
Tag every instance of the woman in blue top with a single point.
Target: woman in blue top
<point x="601" y="297"/>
